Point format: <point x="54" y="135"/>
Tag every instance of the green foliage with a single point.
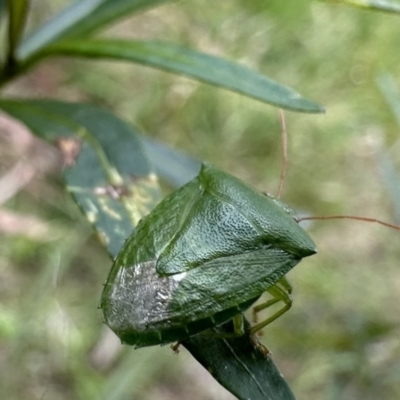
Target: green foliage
<point x="187" y="62"/>
<point x="332" y="54"/>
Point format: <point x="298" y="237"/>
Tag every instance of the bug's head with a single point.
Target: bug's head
<point x="272" y="220"/>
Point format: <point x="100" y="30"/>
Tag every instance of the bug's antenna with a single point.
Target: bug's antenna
<point x="284" y="152"/>
<point x="364" y="219"/>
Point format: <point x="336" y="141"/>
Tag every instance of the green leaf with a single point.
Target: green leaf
<point x="391" y="93"/>
<point x="106" y="171"/>
<point x="241" y="366"/>
<point x="2" y="6"/>
<point x="376" y="5"/>
<point x="388" y="170"/>
<point x="3" y="14"/>
<point x="390" y="178"/>
<point x="204" y="67"/>
<point x="81" y="19"/>
<point x="17" y="11"/>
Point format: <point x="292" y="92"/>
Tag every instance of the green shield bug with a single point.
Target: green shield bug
<point x="205" y="254"/>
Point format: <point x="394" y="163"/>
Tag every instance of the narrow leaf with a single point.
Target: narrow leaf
<point x="391" y="93"/>
<point x="3" y="14"/>
<point x="376" y="5"/>
<point x="81" y="19"/>
<point x="390" y="177"/>
<point x="107" y="171"/>
<point x="388" y="170"/>
<point x="244" y="367"/>
<point x="179" y="60"/>
<point x="17" y="11"/>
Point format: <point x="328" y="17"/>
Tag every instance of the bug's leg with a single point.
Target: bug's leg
<point x="175" y="347"/>
<point x="263" y="306"/>
<point x="238" y="325"/>
<point x="280" y="294"/>
<point x="286" y="287"/>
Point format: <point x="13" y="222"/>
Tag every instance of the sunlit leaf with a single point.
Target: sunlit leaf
<point x="391" y="93"/>
<point x="389" y="172"/>
<point x="390" y="178"/>
<point x="81" y="19"/>
<point x="375" y="5"/>
<point x="106" y="169"/>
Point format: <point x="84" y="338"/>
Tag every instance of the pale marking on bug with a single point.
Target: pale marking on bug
<point x="179" y="277"/>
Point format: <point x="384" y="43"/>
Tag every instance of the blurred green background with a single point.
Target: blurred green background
<point x="341" y="340"/>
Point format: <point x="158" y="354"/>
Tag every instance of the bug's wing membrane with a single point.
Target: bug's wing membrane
<point x="228" y="282"/>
